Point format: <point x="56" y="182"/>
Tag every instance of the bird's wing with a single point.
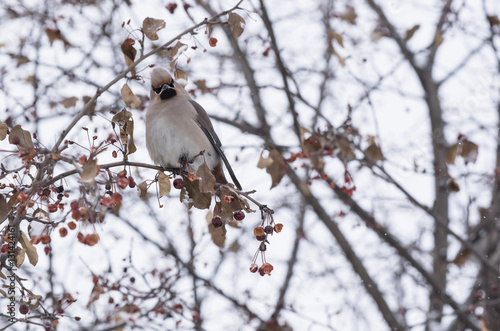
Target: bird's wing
<point x="206" y="126"/>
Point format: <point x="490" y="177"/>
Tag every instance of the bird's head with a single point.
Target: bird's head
<point x="162" y="85"/>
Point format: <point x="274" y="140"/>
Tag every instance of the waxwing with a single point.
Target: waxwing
<point x="178" y="130"/>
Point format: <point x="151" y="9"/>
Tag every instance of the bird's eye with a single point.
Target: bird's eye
<point x="157" y="90"/>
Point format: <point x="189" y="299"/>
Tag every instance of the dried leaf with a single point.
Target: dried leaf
<point x="207" y="179"/>
<point x="337" y="55"/>
<point x="4" y="129"/>
<point x="277" y="169"/>
<point x="237" y="24"/>
<point x="181" y="77"/>
<point x="172" y="53"/>
<point x="349" y="15"/>
<point x="130" y="99"/>
<point x="4" y="208"/>
<point x="163" y="183"/>
<point x="438" y="39"/>
<point x="410" y="32"/>
<point x="264" y="162"/>
<point x="129" y="52"/>
<point x="20" y="255"/>
<point x="469" y="151"/>
<point x="493" y="20"/>
<point x="126" y="124"/>
<point x="192" y="195"/>
<point x="69" y="102"/>
<point x="152" y="25"/>
<point x="218" y="234"/>
<point x="30" y="249"/>
<point x="129" y="130"/>
<point x="95" y="294"/>
<point x="55" y="34"/>
<point x="86" y="100"/>
<point x="21" y="138"/>
<point x="143" y="189"/>
<point x="3" y="293"/>
<point x="337" y="37"/>
<point x="451" y="153"/>
<point x="452" y="185"/>
<point x="89" y="172"/>
<point x="374" y="152"/>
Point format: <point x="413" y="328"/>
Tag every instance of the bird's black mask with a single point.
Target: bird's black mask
<point x="166" y="91"/>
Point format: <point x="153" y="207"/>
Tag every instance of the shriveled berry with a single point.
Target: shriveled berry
<point x="278" y="227"/>
<point x="60" y="196"/>
<point x="269" y="229"/>
<point x="23" y="309"/>
<point x="60" y="189"/>
<point x="239" y="215"/>
<point x="178" y="183"/>
<point x="262" y="247"/>
<point x="254" y="268"/>
<point x="131" y="182"/>
<point x="108" y="187"/>
<point x="217" y="222"/>
<point x="261" y="238"/>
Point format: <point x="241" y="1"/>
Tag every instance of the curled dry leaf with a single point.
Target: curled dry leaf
<point x="29" y="248"/>
<point x="451" y="153"/>
<point x="164" y="184"/>
<point x="4" y="129"/>
<point x="264" y="162"/>
<point x="237" y="24"/>
<point x="152" y="25"/>
<point x="129" y="52"/>
<point x="89" y="172"/>
<point x="181" y="77"/>
<point x="55" y="34"/>
<point x="69" y="102"/>
<point x="20" y="255"/>
<point x="143" y="189"/>
<point x="172" y="53"/>
<point x="277" y="169"/>
<point x="349" y="15"/>
<point x="192" y="195"/>
<point x="130" y="99"/>
<point x="373" y="152"/>
<point x="493" y="20"/>
<point x="126" y="124"/>
<point x="21" y="138"/>
<point x="337" y="37"/>
<point x="218" y="234"/>
<point x="438" y="39"/>
<point x="411" y="32"/>
<point x="207" y="179"/>
<point x="469" y="151"/>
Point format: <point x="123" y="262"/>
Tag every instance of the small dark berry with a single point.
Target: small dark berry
<point x="178" y="183"/>
<point x="24" y="309"/>
<point x="60" y="196"/>
<point x="254" y="268"/>
<point x="262" y="247"/>
<point x="261" y="238"/>
<point x="60" y="189"/>
<point x="109" y="192"/>
<point x="269" y="229"/>
<point x="217" y="222"/>
<point x="108" y="186"/>
<point x="239" y="215"/>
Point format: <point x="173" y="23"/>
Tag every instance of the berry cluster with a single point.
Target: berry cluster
<point x="267" y="227"/>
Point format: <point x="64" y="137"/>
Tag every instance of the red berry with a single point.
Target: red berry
<point x="239" y="215"/>
<point x="46" y="249"/>
<point x="131" y="182"/>
<point x="123" y="182"/>
<point x="212" y="41"/>
<point x="217" y="222"/>
<point x="5" y="248"/>
<point x="254" y="268"/>
<point x="178" y="183"/>
<point x="261" y="238"/>
<point x="268" y="229"/>
<point x="171" y="7"/>
<point x="24" y="309"/>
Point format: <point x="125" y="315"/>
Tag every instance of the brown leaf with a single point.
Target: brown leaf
<point x="337" y="55"/>
<point x="130" y="99"/>
<point x="4" y="129"/>
<point x="264" y="162"/>
<point x="21" y="138"/>
<point x="374" y="152"/>
<point x="89" y="172"/>
<point x="129" y="52"/>
<point x="277" y="169"/>
<point x="86" y="100"/>
<point x="95" y="294"/>
<point x="451" y="153"/>
<point x="172" y="53"/>
<point x="192" y="195"/>
<point x="4" y="208"/>
<point x="163" y="183"/>
<point x="218" y="234"/>
<point x="126" y="124"/>
<point x="69" y="102"/>
<point x="180" y="77"/>
<point x="469" y="151"/>
<point x="55" y="34"/>
<point x="337" y="37"/>
<point x="410" y="32"/>
<point x="143" y="189"/>
<point x="349" y="15"/>
<point x="207" y="183"/>
<point x="30" y="249"/>
<point x="438" y="39"/>
<point x="236" y="22"/>
<point x="20" y="255"/>
<point x="152" y="25"/>
<point x="493" y="20"/>
<point x="452" y="185"/>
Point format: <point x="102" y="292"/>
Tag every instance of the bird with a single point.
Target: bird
<point x="179" y="131"/>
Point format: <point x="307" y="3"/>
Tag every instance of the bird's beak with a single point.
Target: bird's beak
<point x="166" y="87"/>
